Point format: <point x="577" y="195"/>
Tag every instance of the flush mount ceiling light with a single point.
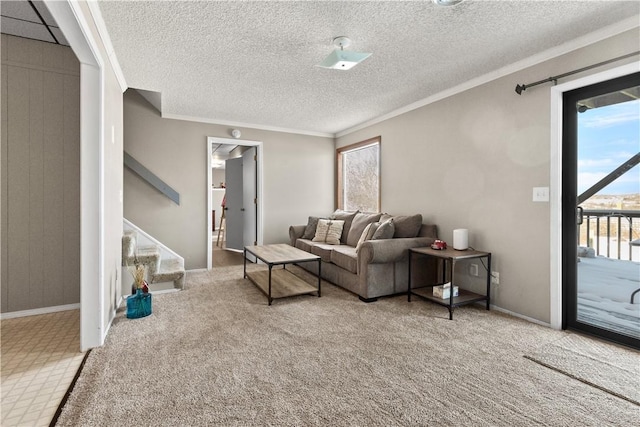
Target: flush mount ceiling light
<point x="341" y="59"/>
<point x="446" y="2"/>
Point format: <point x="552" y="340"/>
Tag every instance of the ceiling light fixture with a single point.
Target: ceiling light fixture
<point x="341" y="59"/>
<point x="446" y="2"/>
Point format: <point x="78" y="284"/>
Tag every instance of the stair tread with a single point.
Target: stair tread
<point x="173" y="264"/>
<point x="170" y="270"/>
<point x="148" y="250"/>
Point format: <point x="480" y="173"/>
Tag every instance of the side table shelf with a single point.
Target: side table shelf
<point x="450" y="257"/>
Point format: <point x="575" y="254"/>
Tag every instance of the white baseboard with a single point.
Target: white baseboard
<point x="521" y="316"/>
<point x="166" y="291"/>
<point x="197" y="270"/>
<point x="123" y="299"/>
<point x="37" y="311"/>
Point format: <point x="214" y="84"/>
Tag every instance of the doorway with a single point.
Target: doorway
<point x="601" y="209"/>
<point x="240" y="200"/>
<point x="243" y="209"/>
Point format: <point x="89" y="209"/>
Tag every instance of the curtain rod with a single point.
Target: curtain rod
<point x="520" y="88"/>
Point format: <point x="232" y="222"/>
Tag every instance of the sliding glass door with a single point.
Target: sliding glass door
<point x="601" y="209"/>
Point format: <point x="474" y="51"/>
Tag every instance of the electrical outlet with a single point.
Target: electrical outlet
<point x="495" y="278"/>
<point x="473" y="269"/>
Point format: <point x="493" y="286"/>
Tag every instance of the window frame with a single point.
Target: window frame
<point x="339" y="168"/>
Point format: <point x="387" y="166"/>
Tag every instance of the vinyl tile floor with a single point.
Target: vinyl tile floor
<point x="40" y="357"/>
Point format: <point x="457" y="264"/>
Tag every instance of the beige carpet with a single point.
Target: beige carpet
<point x="216" y="354"/>
<point x="609" y="367"/>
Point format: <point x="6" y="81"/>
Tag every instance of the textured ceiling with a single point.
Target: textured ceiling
<point x="254" y="62"/>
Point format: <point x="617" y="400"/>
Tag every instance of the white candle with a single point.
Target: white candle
<point x="461" y="239"/>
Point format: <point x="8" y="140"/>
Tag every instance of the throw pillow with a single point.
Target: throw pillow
<point x="347" y="217"/>
<point x="328" y="231"/>
<point x="360" y="221"/>
<point x="407" y="226"/>
<point x="367" y="234"/>
<point x="310" y="230"/>
<point x="385" y="231"/>
<point x="385" y="217"/>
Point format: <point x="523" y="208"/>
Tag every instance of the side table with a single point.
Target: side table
<point x="450" y="257"/>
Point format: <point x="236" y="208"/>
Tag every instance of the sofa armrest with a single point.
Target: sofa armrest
<point x="389" y="250"/>
<point x="296" y="232"/>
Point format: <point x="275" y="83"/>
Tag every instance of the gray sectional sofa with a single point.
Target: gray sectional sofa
<point x="377" y="267"/>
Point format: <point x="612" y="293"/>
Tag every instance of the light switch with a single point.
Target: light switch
<point x="540" y="194"/>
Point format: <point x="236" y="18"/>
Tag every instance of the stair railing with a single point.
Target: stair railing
<point x="151" y="178"/>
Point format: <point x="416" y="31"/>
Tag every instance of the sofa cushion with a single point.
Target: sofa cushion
<point x="323" y="250"/>
<point x="347" y="217"/>
<point x="386" y="230"/>
<point x="360" y="221"/>
<point x="304" y="244"/>
<point x="407" y="226"/>
<point x="328" y="231"/>
<point x="367" y="234"/>
<point x="345" y="256"/>
<point x="310" y="230"/>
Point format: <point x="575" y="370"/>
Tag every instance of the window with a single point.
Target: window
<point x="359" y="176"/>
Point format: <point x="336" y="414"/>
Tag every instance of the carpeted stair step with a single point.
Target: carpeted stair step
<point x="171" y="270"/>
<point x="157" y="269"/>
<point x="128" y="246"/>
<point x="148" y="256"/>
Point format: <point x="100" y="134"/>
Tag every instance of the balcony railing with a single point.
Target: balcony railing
<point x="610" y="233"/>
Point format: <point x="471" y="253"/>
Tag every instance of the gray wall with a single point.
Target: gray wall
<point x="471" y="161"/>
<point x="298" y="178"/>
<point x="40" y="175"/>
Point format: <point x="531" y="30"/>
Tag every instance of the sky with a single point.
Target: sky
<point x="607" y="137"/>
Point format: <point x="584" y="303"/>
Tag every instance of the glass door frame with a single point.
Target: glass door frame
<point x="569" y="233"/>
<point x="555" y="180"/>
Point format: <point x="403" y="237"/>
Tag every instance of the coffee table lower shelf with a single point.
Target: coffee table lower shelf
<point x="283" y="283"/>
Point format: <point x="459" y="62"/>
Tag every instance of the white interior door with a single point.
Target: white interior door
<point x="249" y="196"/>
<point x="234" y="211"/>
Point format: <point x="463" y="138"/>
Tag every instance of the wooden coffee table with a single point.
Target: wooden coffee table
<point x="280" y="282"/>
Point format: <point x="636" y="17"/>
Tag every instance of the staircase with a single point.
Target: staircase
<point x="164" y="268"/>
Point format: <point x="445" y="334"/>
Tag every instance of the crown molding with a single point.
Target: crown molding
<point x="570" y="46"/>
<point x="247" y="125"/>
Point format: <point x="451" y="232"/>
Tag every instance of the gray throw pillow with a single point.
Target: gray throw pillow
<point x="347" y="217"/>
<point x="367" y="234"/>
<point x="310" y="230"/>
<point x="385" y="231"/>
<point x="407" y="226"/>
<point x="385" y="217"/>
<point x="360" y="221"/>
